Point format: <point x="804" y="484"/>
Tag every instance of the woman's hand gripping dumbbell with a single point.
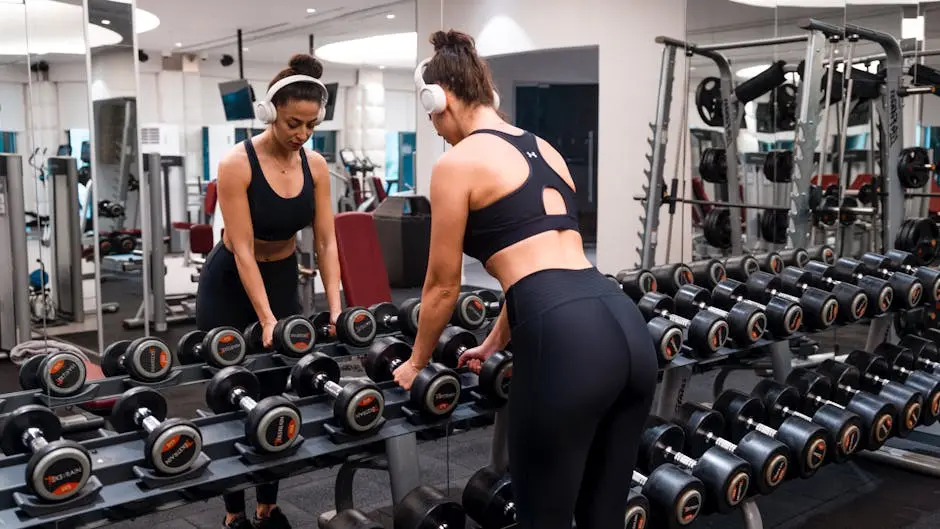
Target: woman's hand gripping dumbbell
<point x="495" y="376"/>
<point x="272" y="425"/>
<point x="879" y="292"/>
<point x="292" y="336"/>
<point x="357" y="406"/>
<point x="434" y="393"/>
<point x="145" y="359"/>
<point x="173" y="446"/>
<point x="726" y="476"/>
<point x="746" y="322"/>
<point x="706" y="332"/>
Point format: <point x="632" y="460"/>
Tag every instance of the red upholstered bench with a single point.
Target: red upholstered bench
<point x="365" y="279"/>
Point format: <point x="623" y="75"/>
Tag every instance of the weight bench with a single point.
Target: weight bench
<point x="365" y="279"/>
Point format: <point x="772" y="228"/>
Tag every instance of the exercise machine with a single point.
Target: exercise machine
<point x="14" y="292"/>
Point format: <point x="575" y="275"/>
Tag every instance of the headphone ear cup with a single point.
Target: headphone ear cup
<point x="265" y="111"/>
<point x="321" y="115"/>
<point x="495" y="100"/>
<point x="433" y="99"/>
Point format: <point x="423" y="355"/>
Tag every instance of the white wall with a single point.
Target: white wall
<point x="400" y="109"/>
<point x="627" y="95"/>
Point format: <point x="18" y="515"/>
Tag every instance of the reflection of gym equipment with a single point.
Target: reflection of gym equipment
<point x="66" y="263"/>
<point x="363" y="189"/>
<point x="164" y="309"/>
<point x="116" y="159"/>
<point x="14" y="294"/>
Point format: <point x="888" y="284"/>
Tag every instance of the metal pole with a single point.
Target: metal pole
<point x="67" y="238"/>
<point x="753" y="43"/>
<point x="157" y="266"/>
<point x="11" y="191"/>
<point x="670" y="391"/>
<point x="499" y="454"/>
<point x="655" y="187"/>
<point x="403" y="469"/>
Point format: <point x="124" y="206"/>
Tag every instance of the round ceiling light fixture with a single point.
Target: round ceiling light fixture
<point x="41" y="27"/>
<point x="395" y="50"/>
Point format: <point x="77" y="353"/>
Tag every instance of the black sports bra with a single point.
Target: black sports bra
<point x="274" y="217"/>
<point x="520" y="214"/>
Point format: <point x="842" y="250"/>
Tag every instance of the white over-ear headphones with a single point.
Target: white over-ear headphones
<point x="267" y="113"/>
<point x="432" y="96"/>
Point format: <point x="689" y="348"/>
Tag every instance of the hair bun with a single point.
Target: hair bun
<point x="453" y="40"/>
<point x="305" y="64"/>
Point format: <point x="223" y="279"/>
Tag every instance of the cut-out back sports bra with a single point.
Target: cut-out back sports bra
<point x="273" y="217"/>
<point x="520" y="214"/>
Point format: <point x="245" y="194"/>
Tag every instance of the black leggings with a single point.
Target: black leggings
<point x="221" y="300"/>
<point x="584" y="376"/>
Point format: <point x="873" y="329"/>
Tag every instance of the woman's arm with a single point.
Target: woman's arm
<point x="325" y="235"/>
<point x="450" y="207"/>
<point x="499" y="335"/>
<point x="234" y="177"/>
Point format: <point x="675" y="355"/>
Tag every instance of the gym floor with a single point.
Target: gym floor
<point x="857" y="495"/>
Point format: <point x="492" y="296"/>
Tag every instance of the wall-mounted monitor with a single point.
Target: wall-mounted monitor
<point x="237" y="99"/>
<point x="331" y="89"/>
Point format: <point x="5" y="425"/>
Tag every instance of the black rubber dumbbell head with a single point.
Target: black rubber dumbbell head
<point x="469" y="312"/>
<point x="879" y="417"/>
<point x="707" y="333"/>
<point x="637" y="512"/>
<point x="770" y="262"/>
<point x="294" y="336"/>
<point x="356" y="326"/>
<point x="652" y="304"/>
<point x="385" y="314"/>
<point x="667" y="338"/>
<point x="909" y="401"/>
<point x="921" y="347"/>
<point x="797" y="257"/>
<point x="741" y="266"/>
<point x="707" y="273"/>
<point x="676" y="498"/>
<point x="426" y="507"/>
<point x="495" y="377"/>
<point x="658" y="435"/>
<point x="171" y="448"/>
<point x="436" y="389"/>
<point x="637" y="282"/>
<point x="925" y="383"/>
<point x="670" y="277"/>
<point x="220" y="347"/>
<point x="488" y="499"/>
<point x="823" y="253"/>
<point x="253" y="338"/>
<point x="850" y="308"/>
<point x="408" y="316"/>
<point x="59" y="469"/>
<point x="147" y="359"/>
<point x="220" y="388"/>
<point x="746" y="322"/>
<point x="451" y="344"/>
<point x="358" y="406"/>
<point x="59" y="373"/>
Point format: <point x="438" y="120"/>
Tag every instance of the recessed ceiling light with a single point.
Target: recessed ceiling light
<point x="106" y="22"/>
<point x="390" y="16"/>
<point x="179" y="44"/>
<point x="311" y="10"/>
<point x="244" y="49"/>
<point x="381" y="67"/>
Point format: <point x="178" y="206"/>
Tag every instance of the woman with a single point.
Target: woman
<point x="270" y="188"/>
<point x="585" y="369"/>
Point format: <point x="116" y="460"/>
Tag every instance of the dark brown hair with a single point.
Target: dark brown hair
<point x="300" y="64"/>
<point x="457" y="67"/>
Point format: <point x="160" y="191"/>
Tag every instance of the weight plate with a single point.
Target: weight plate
<point x="717" y="228"/>
<point x="713" y="165"/>
<point x="709" y="102"/>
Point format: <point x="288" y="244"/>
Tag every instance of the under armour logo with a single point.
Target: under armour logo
<point x="531" y="154"/>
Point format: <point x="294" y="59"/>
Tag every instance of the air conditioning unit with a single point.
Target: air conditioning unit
<point x="162" y="138"/>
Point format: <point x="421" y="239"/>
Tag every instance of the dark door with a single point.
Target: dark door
<point x="565" y="115"/>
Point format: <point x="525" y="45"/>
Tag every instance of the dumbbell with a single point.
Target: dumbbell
<point x="901" y="261"/>
<point x="876" y="378"/>
<point x="58" y="468"/>
<point x="676" y="498"/>
<point x="797" y="257"/>
<point x="146" y="359"/>
<point x="805" y="441"/>
<point x="425" y="507"/>
<point x="819" y="307"/>
<point x="908" y="403"/>
<point x="469" y="312"/>
<point x="272" y="425"/>
<point x="60" y="373"/>
<point x="355" y="326"/>
<point x="348" y="519"/>
<point x="492" y="302"/>
<point x="173" y="446"/>
<point x="784" y="317"/>
<point x="908" y="290"/>
<point x="671" y="277"/>
<point x="435" y="392"/>
<point x="741" y="266"/>
<point x="746" y="322"/>
<point x="488" y="500"/>
<point x="818" y="391"/>
<point x="390" y="318"/>
<point x="823" y="253"/>
<point x="903" y="369"/>
<point x="666" y="334"/>
<point x="495" y="374"/>
<point x="852" y="301"/>
<point x="879" y="292"/>
<point x="220" y="347"/>
<point x="706" y="332"/>
<point x="357" y="406"/>
<point x="707" y="273"/>
<point x="637" y="282"/>
<point x="725" y="476"/>
<point x="293" y="336"/>
<point x="782" y="402"/>
<point x="769" y="458"/>
<point x="925" y="354"/>
<point x="770" y="262"/>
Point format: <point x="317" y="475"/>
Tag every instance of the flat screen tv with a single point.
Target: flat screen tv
<point x="331" y="100"/>
<point x="237" y="99"/>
